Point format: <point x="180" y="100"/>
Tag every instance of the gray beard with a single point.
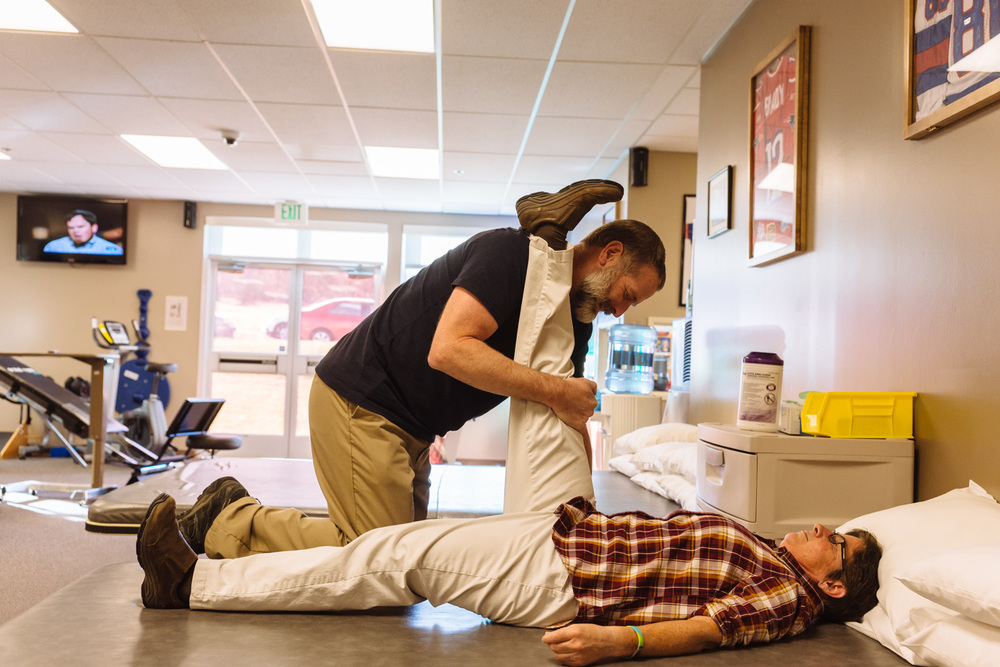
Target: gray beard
<point x="593" y="291"/>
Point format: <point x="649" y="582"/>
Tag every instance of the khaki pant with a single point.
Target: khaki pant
<point x="371" y="472"/>
<point x="374" y="474"/>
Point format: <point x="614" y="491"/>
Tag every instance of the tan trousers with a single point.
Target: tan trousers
<point x="371" y="472"/>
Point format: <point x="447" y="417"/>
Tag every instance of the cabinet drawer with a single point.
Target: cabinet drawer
<point x="727" y="480"/>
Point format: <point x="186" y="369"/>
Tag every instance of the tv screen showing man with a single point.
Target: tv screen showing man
<point x="81" y="237"/>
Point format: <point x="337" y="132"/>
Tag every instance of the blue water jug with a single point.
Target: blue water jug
<point x="630" y="359"/>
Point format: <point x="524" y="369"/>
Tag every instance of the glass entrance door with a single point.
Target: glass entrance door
<point x="273" y="322"/>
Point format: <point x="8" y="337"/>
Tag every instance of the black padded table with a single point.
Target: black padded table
<point x="461" y="491"/>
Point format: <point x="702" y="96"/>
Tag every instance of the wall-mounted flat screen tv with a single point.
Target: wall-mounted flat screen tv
<point x="81" y="230"/>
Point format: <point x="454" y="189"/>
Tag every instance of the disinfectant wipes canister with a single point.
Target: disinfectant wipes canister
<point x="760" y="392"/>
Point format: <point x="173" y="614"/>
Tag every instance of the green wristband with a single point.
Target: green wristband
<point x="640" y="639"/>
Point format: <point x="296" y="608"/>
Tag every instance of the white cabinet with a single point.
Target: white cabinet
<point x="775" y="483"/>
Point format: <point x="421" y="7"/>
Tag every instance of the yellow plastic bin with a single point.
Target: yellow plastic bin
<point x="859" y="414"/>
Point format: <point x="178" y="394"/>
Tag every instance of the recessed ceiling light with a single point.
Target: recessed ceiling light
<point x="3" y="155"/>
<point x="403" y="162"/>
<point x="36" y="15"/>
<point x="175" y="152"/>
<point x="383" y="25"/>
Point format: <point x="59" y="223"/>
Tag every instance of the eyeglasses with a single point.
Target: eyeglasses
<point x="837" y="538"/>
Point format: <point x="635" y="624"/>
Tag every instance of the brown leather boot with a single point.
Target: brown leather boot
<point x="553" y="215"/>
<point x="195" y="523"/>
<point x="164" y="557"/>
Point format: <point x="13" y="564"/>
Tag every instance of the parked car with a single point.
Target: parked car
<point x="327" y="320"/>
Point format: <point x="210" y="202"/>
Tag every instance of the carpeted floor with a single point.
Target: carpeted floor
<point x="41" y="552"/>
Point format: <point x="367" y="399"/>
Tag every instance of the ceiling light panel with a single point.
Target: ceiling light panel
<point x="382" y="25"/>
<point x="35" y="15"/>
<point x="175" y="152"/>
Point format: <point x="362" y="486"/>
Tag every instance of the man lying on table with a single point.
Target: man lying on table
<point x="617" y="586"/>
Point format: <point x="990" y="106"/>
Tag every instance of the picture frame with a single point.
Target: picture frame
<point x="720" y="202"/>
<point x="687" y="248"/>
<point x="936" y="97"/>
<point x="779" y="131"/>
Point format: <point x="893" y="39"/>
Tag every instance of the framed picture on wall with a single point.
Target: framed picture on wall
<point x="720" y="202"/>
<point x="951" y="63"/>
<point x="687" y="250"/>
<point x="779" y="127"/>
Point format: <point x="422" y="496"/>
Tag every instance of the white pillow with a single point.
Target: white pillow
<point x="651" y="435"/>
<point x="624" y="464"/>
<point x="953" y="640"/>
<point x="965" y="580"/>
<point x="911" y="533"/>
<point x="657" y="458"/>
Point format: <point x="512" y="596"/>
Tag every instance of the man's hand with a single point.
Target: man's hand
<point x="577" y="403"/>
<point x="584" y="644"/>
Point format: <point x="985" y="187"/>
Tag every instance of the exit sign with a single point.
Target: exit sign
<point x="290" y="212"/>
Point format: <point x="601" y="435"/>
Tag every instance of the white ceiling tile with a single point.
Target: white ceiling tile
<point x="674" y="126"/>
<point x="306" y="124"/>
<point x="416" y="189"/>
<point x="670" y="82"/>
<point x="596" y="90"/>
<point x="13" y="76"/>
<point x="323" y="168"/>
<point x="97" y="149"/>
<point x="360" y="187"/>
<point x="263" y="22"/>
<point x="290" y="187"/>
<point x="163" y="19"/>
<point x="282" y="74"/>
<point x="403" y="128"/>
<point x="385" y="79"/>
<point x="249" y="156"/>
<point x="552" y="170"/>
<point x="509" y="29"/>
<point x="125" y="114"/>
<point x="627" y="137"/>
<point x="577" y="137"/>
<point x="487" y="133"/>
<point x="69" y="63"/>
<point x="634" y="31"/>
<point x="491" y="85"/>
<point x="177" y="69"/>
<point x="715" y="19"/>
<point x="477" y="167"/>
<point x="210" y="179"/>
<point x="205" y="119"/>
<point x="34" y="147"/>
<point x="47" y="111"/>
<point x="148" y="176"/>
<point x="685" y="104"/>
<point x="93" y="178"/>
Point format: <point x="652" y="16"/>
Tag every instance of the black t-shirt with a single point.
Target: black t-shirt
<point x="382" y="364"/>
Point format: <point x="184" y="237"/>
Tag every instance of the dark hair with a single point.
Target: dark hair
<point x="86" y="215"/>
<point x="861" y="582"/>
<point x="642" y="245"/>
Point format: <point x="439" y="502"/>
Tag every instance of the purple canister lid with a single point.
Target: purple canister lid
<point x="763" y="358"/>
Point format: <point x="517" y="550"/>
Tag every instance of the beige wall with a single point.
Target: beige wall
<point x="660" y="204"/>
<point x="898" y="289"/>
<point x="48" y="306"/>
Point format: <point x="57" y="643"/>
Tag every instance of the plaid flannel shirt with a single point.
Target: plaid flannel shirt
<point x="635" y="569"/>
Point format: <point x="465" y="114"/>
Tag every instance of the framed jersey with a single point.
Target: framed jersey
<point x="951" y="63"/>
<point x="779" y="129"/>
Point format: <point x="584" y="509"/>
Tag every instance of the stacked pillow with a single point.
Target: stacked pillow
<point x="939" y="595"/>
<point x="661" y="458"/>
